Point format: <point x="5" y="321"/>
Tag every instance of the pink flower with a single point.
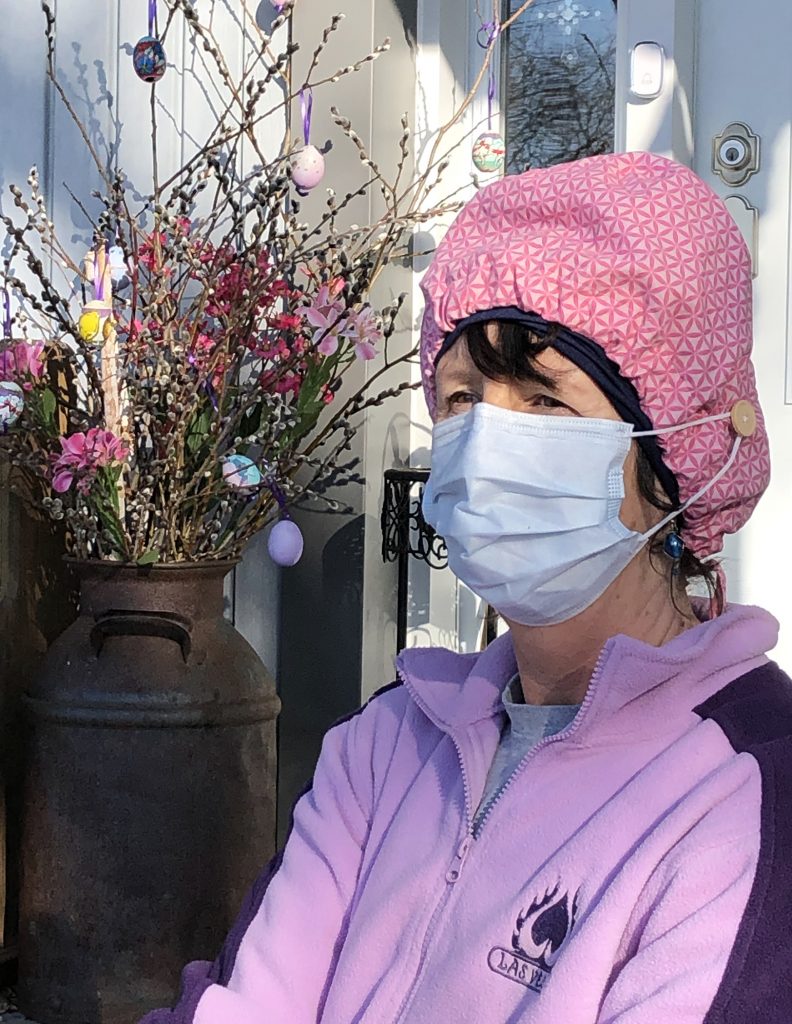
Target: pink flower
<point x="364" y="329"/>
<point x="22" y="362"/>
<point x="83" y="454"/>
<point x="326" y="315"/>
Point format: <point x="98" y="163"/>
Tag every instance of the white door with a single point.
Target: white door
<point x="744" y="75"/>
<point x="727" y="64"/>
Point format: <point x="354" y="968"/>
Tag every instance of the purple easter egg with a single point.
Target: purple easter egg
<point x="285" y="543"/>
<point x="307" y="167"/>
<point x="149" y="59"/>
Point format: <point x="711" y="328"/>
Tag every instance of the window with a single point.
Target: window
<point x="558" y="87"/>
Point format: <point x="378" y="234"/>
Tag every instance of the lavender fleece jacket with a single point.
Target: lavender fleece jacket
<point x="637" y="868"/>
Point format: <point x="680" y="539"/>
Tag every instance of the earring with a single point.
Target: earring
<point x="673" y="545"/>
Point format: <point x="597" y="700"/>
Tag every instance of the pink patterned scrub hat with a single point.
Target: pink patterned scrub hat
<point x="636" y="253"/>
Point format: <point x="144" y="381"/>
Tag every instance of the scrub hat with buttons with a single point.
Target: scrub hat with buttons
<point x="636" y="253"/>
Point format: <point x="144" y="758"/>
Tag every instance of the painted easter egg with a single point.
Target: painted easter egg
<point x="93" y="319"/>
<point x="489" y="152"/>
<point x="307" y="167"/>
<point x="241" y="473"/>
<point x="12" y="401"/>
<point x="148" y="59"/>
<point x="285" y="543"/>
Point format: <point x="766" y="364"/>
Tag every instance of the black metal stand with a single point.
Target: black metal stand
<point x="406" y="533"/>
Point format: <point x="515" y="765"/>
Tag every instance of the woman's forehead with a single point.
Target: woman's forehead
<point x="458" y="362"/>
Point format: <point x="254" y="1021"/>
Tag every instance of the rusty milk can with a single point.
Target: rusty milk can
<point x="149" y="796"/>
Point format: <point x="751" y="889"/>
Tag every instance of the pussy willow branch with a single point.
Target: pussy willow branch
<point x="460" y="111"/>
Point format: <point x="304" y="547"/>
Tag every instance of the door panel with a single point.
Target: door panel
<point x="743" y="74"/>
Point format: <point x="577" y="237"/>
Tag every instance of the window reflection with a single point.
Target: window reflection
<point x="559" y="71"/>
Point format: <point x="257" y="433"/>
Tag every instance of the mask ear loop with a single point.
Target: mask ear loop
<point x="743" y="420"/>
<point x="699" y="493"/>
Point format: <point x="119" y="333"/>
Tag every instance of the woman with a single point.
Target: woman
<point x="589" y="822"/>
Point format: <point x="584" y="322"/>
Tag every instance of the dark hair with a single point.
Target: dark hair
<point x="515" y="358"/>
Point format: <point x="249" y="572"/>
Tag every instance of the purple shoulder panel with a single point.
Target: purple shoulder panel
<point x="755" y="713"/>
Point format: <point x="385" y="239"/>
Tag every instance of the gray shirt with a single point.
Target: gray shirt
<point x="525" y="726"/>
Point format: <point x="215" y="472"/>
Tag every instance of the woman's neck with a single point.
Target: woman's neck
<point x="556" y="662"/>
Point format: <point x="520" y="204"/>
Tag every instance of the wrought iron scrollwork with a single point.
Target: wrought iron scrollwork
<point x="404" y="529"/>
<point x="406" y="534"/>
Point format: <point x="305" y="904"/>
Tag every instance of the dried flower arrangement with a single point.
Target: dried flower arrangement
<point x="183" y="389"/>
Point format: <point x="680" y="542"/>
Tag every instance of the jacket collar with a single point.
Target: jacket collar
<point x="458" y="690"/>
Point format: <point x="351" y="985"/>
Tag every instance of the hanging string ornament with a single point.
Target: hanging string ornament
<point x="12" y="397"/>
<point x="241" y="473"/>
<point x="148" y="58"/>
<point x="489" y="149"/>
<point x="307" y="164"/>
<point x="285" y="543"/>
<point x="96" y="319"/>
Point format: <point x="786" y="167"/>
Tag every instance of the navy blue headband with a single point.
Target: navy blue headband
<point x="591" y="358"/>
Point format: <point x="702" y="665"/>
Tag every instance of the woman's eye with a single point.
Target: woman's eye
<point x="461" y="398"/>
<point x="546" y="402"/>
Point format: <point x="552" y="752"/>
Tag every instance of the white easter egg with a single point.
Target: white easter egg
<point x="307" y="167"/>
<point x="12" y="402"/>
<point x="285" y="543"/>
<point x="489" y="152"/>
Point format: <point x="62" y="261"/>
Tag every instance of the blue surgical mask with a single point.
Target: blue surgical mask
<point x="529" y="506"/>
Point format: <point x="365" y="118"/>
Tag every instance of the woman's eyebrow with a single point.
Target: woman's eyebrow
<point x="453" y="377"/>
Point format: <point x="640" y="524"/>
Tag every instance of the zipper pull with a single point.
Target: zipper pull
<point x="454" y="872"/>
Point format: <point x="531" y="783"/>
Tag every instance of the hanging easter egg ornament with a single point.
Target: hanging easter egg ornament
<point x="96" y="319"/>
<point x="241" y="473"/>
<point x="307" y="164"/>
<point x="489" y="152"/>
<point x="489" y="149"/>
<point x="12" y="402"/>
<point x="148" y="58"/>
<point x="285" y="543"/>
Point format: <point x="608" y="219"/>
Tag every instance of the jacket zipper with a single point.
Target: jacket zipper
<point x="558" y="737"/>
<point x="472" y="833"/>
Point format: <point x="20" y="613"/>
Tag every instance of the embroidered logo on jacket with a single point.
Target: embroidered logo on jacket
<point x="540" y="933"/>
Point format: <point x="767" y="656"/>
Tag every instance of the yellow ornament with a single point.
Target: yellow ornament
<point x="93" y="320"/>
<point x="88" y="325"/>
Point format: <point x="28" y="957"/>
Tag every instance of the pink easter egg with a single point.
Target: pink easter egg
<point x="285" y="543"/>
<point x="307" y="167"/>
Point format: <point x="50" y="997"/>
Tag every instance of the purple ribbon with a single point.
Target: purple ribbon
<point x="6" y="313"/>
<point x="98" y="279"/>
<point x="206" y="384"/>
<point x="306" y="106"/>
<point x="152" y="16"/>
<point x="487" y="34"/>
<point x="279" y="496"/>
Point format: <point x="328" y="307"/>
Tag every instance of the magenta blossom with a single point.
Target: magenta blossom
<point x="22" y="363"/>
<point x="83" y="455"/>
<point x="364" y="329"/>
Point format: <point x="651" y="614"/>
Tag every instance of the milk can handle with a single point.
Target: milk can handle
<point x="142" y="623"/>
